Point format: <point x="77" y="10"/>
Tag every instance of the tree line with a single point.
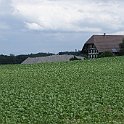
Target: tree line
<point x="18" y="59"/>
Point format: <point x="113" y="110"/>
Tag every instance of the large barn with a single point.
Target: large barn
<point x="101" y="43"/>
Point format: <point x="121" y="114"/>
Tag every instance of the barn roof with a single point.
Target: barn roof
<point x="53" y="58"/>
<point x="106" y="42"/>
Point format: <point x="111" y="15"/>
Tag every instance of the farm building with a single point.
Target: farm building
<point x="53" y="58"/>
<point x="98" y="44"/>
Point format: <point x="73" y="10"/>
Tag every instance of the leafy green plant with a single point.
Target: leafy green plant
<point x="77" y="92"/>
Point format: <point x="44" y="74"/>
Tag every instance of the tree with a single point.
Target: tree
<point x="122" y="47"/>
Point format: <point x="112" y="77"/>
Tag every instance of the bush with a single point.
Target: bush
<point x="121" y="45"/>
<point x="74" y="58"/>
<point x="106" y="54"/>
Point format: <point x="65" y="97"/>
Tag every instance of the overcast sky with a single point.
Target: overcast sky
<point x="32" y="26"/>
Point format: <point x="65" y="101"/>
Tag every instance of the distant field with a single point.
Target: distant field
<point x="78" y="92"/>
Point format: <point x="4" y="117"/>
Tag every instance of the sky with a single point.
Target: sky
<point x="33" y="26"/>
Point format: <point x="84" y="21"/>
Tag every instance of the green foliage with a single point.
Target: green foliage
<point x="106" y="54"/>
<point x="76" y="53"/>
<point x="122" y="48"/>
<point x="74" y="58"/>
<point x="12" y="59"/>
<point x="77" y="92"/>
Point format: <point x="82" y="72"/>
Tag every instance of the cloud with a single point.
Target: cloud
<point x="49" y="15"/>
<point x="66" y="15"/>
<point x="118" y="33"/>
<point x="5" y="7"/>
<point x="56" y="25"/>
<point x="33" y="26"/>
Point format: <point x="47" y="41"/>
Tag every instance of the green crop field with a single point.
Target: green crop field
<point x="76" y="92"/>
